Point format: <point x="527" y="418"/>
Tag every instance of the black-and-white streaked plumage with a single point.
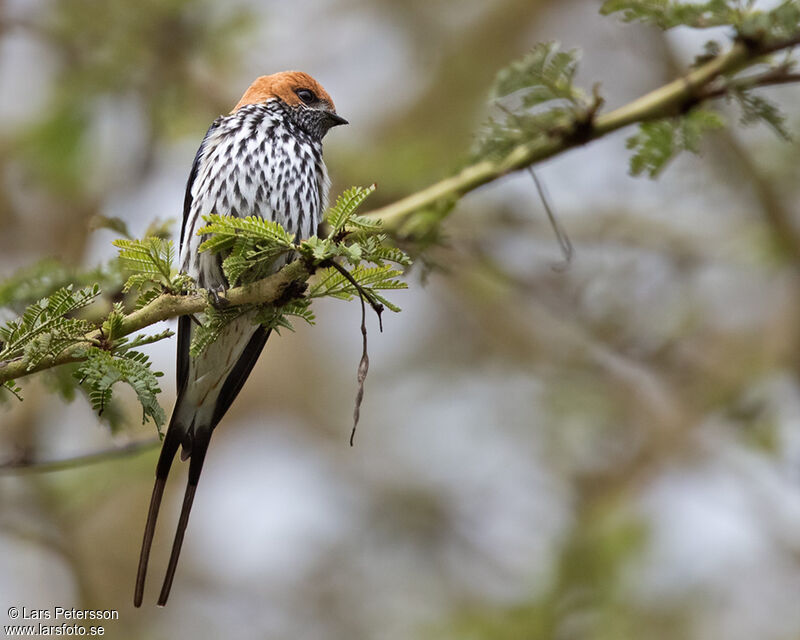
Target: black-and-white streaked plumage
<point x="264" y="159"/>
<point x="278" y="173"/>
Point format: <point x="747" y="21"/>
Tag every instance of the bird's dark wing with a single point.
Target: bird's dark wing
<point x="240" y="372"/>
<point x="175" y="432"/>
<point x="185" y="323"/>
<point x="187" y="199"/>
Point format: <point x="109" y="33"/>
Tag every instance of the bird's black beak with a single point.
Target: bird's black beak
<point x="335" y="120"/>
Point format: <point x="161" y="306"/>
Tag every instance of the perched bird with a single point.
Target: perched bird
<point x="263" y="159"/>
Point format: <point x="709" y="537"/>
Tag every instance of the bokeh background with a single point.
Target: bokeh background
<point x="608" y="451"/>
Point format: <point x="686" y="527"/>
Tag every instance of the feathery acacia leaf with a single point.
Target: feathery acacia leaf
<point x="102" y="370"/>
<point x="124" y="344"/>
<point x="658" y="142"/>
<point x="780" y="21"/>
<point x="46" y="328"/>
<point x="149" y="266"/>
<point x="667" y="14"/>
<point x="113" y="325"/>
<point x="374" y="249"/>
<point x="276" y="318"/>
<point x="534" y="96"/>
<point x="756" y="108"/>
<point x="331" y="283"/>
<point x="342" y="213"/>
<point x="543" y="75"/>
<point x="149" y="259"/>
<point x="252" y="245"/>
<point x="231" y="228"/>
<point x="213" y="322"/>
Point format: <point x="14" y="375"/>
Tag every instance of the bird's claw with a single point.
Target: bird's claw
<point x="217" y="299"/>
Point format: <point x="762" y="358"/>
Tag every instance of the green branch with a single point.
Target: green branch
<point x="166" y="307"/>
<point x="669" y="100"/>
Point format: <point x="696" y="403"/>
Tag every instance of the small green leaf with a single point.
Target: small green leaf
<point x="114" y="323"/>
<point x="117" y="225"/>
<point x="253" y="228"/>
<point x="125" y="344"/>
<point x="667" y="14"/>
<point x="543" y="75"/>
<point x="331" y="283"/>
<point x="102" y="370"/>
<point x="535" y="98"/>
<point x="47" y="327"/>
<point x="341" y="214"/>
<point x="658" y="142"/>
<point x="212" y="323"/>
<point x="273" y="317"/>
<point x="12" y="387"/>
<point x="148" y="263"/>
<point x="251" y="245"/>
<point x="756" y="108"/>
<point x="654" y="146"/>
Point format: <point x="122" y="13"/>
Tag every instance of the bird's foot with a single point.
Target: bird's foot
<point x="290" y="291"/>
<point x="216" y="296"/>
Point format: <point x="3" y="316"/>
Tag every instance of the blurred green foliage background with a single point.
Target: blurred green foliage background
<point x="609" y="451"/>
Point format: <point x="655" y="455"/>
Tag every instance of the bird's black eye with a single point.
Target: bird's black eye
<point x="306" y="95"/>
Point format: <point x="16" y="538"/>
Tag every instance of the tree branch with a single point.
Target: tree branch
<point x="46" y="466"/>
<point x="666" y="101"/>
<point x="168" y="306"/>
<point x="669" y="100"/>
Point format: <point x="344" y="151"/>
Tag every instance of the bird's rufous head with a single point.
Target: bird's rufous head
<point x="299" y="91"/>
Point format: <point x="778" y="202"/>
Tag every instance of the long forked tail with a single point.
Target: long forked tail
<point x="168" y="450"/>
<point x="200" y="438"/>
<point x="195" y="441"/>
<point x="199" y="446"/>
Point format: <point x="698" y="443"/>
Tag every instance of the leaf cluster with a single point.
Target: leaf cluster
<point x="535" y="98"/>
<point x="48" y="327"/>
<point x="666" y="14"/>
<point x="658" y="142"/>
<point x="101" y="370"/>
<point x="748" y="20"/>
<point x="251" y="248"/>
<point x="213" y="323"/>
<point x="67" y="318"/>
<point x="755" y="108"/>
<point x="251" y="245"/>
<point x="359" y="242"/>
<point x="148" y="265"/>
